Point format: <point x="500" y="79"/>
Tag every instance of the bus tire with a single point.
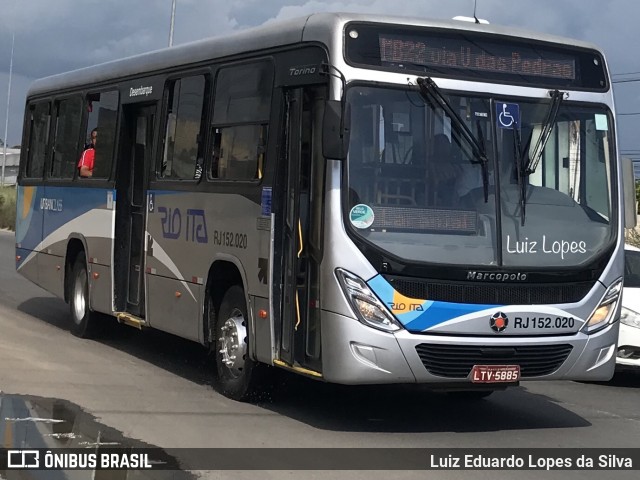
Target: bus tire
<point x="237" y="375"/>
<point x="84" y="321"/>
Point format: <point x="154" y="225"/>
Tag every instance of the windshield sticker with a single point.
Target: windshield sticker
<point x="601" y="122"/>
<point x="545" y="246"/>
<point x="508" y="115"/>
<point x="361" y="216"/>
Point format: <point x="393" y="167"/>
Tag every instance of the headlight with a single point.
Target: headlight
<point x="603" y="315"/>
<point x="630" y="318"/>
<point x="367" y="307"/>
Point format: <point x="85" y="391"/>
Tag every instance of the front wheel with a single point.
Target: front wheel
<point x="84" y="322"/>
<point x="238" y="376"/>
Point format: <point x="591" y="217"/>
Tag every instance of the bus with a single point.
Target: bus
<point x="359" y="199"/>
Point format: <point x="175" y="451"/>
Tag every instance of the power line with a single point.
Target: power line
<point x="6" y="124"/>
<point x="622" y="74"/>
<point x="626" y="81"/>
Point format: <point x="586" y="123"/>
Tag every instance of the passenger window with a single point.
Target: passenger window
<point x="239" y="151"/>
<point x="183" y="142"/>
<point x="102" y="117"/>
<point x="38" y="139"/>
<point x="66" y="137"/>
<point x="240" y="121"/>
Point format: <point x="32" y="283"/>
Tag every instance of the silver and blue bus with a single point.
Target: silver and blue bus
<point x="359" y="199"/>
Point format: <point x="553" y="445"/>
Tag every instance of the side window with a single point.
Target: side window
<point x="67" y="133"/>
<point x="240" y="149"/>
<point x="38" y="139"/>
<point x="240" y="121"/>
<point x="183" y="146"/>
<point x="102" y="109"/>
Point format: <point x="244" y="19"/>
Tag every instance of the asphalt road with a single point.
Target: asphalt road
<point x="154" y="389"/>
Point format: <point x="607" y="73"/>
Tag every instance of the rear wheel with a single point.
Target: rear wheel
<point x="238" y="376"/>
<point x="84" y="321"/>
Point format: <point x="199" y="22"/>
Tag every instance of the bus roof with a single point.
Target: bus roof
<point x="312" y="28"/>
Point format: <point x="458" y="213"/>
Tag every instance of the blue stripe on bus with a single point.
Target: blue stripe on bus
<point x="74" y="202"/>
<point x="42" y="210"/>
<point x="28" y="225"/>
<point x="418" y="315"/>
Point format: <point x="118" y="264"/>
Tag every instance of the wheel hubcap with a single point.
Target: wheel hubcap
<point x="232" y="344"/>
<point x="79" y="301"/>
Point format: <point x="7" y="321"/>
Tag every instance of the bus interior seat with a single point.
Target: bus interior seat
<point x="400" y="185"/>
<point x="442" y="169"/>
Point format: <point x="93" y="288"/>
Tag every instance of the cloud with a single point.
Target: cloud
<point x="61" y="35"/>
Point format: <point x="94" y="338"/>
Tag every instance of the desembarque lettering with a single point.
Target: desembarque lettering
<point x="140" y="91"/>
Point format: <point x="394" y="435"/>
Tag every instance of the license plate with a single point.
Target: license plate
<point x="495" y="373"/>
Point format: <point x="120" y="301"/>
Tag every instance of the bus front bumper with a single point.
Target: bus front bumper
<point x="353" y="353"/>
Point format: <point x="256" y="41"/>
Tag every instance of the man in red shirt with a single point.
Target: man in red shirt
<point x="85" y="165"/>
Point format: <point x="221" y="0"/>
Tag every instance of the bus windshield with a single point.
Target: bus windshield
<point x="417" y="189"/>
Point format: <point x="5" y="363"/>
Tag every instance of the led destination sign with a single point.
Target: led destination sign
<point x="477" y="56"/>
<point x="438" y="52"/>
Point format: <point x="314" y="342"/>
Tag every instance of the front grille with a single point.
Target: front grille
<point x="491" y="293"/>
<point x="456" y="361"/>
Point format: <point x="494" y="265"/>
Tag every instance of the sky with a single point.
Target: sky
<point x="54" y="36"/>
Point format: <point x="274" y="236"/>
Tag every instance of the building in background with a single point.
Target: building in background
<point x="636" y="169"/>
<point x="11" y="165"/>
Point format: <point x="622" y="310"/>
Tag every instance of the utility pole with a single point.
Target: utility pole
<point x="173" y="16"/>
<point x="6" y="123"/>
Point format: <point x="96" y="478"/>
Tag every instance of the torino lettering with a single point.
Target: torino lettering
<point x="297" y="71"/>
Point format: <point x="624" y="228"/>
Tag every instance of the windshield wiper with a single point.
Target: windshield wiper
<point x="432" y="94"/>
<point x="485" y="167"/>
<point x="556" y="99"/>
<point x="525" y="164"/>
<point x="519" y="155"/>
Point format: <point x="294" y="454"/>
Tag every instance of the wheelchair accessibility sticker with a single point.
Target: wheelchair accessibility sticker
<point x="508" y="115"/>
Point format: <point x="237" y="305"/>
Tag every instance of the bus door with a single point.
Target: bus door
<point x="302" y="236"/>
<point x="131" y="185"/>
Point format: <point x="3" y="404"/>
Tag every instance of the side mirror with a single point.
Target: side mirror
<point x="629" y="193"/>
<point x="335" y="130"/>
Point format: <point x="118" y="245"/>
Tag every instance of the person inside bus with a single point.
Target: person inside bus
<point x="85" y="165"/>
<point x="442" y="169"/>
<point x="469" y="185"/>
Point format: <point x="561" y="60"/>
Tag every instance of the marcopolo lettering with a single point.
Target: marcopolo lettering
<point x="137" y="92"/>
<point x="496" y="277"/>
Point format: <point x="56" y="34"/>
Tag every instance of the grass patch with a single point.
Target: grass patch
<point x="632" y="236"/>
<point x="8" y="208"/>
